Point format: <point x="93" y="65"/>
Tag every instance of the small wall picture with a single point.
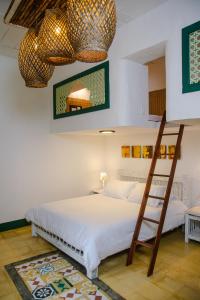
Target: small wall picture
<point x="136" y="151"/>
<point x="163" y="152"/>
<point x="126" y="151"/>
<point x="147" y="151"/>
<point x="171" y="151"/>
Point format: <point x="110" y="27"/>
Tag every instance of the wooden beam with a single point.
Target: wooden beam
<point x="30" y="13"/>
<point x="11" y="10"/>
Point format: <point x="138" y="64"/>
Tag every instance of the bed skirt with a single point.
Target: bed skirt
<point x="62" y="245"/>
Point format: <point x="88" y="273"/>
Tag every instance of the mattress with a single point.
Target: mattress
<point x="99" y="225"/>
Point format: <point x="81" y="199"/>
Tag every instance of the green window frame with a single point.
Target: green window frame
<point x="186" y="66"/>
<point x="104" y="66"/>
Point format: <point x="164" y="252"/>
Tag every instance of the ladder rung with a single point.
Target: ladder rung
<point x="160" y="175"/>
<point x="147" y="245"/>
<point x="165" y="134"/>
<point x="151" y="220"/>
<point x="156" y="197"/>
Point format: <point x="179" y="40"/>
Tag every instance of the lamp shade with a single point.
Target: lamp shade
<point x="92" y="26"/>
<point x="54" y="46"/>
<point x="35" y="72"/>
<point x="103" y="176"/>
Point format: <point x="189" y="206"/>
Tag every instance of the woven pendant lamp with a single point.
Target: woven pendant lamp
<point x="35" y="72"/>
<point x="92" y="26"/>
<point x="54" y="46"/>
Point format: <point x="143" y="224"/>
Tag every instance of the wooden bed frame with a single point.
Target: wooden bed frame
<point x="77" y="254"/>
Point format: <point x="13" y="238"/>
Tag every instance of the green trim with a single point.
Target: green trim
<point x="106" y="105"/>
<point x="13" y="225"/>
<point x="187" y="86"/>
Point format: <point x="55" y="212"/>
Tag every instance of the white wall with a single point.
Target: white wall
<point x="188" y="167"/>
<point x="128" y="98"/>
<point x="160" y="26"/>
<point x="99" y="119"/>
<point x="164" y="25"/>
<point x="36" y="166"/>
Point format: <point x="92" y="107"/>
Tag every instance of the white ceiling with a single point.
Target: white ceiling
<point x="127" y="10"/>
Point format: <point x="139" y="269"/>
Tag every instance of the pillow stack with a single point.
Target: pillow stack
<point x="133" y="191"/>
<point x="119" y="189"/>
<point x="137" y="193"/>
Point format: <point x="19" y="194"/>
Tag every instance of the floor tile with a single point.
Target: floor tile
<point x="176" y="275"/>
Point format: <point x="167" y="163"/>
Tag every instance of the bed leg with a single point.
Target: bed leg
<point x="92" y="274"/>
<point x="34" y="231"/>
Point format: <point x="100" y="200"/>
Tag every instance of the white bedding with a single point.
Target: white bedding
<point x="99" y="225"/>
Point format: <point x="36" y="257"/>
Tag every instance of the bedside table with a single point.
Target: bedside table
<point x="192" y="224"/>
<point x="97" y="191"/>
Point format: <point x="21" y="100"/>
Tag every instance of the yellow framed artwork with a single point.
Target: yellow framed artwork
<point x="126" y="151"/>
<point x="163" y="152"/>
<point x="147" y="151"/>
<point x="171" y="151"/>
<point x="136" y="151"/>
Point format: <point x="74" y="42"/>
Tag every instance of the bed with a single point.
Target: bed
<point x="94" y="227"/>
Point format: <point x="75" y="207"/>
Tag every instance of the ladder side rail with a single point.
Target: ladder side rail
<point x="165" y="205"/>
<point x="146" y="191"/>
<point x="174" y="162"/>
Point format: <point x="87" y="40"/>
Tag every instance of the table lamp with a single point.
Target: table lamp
<point x="103" y="176"/>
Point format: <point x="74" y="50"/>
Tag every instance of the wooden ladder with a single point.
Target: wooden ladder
<point x="155" y="245"/>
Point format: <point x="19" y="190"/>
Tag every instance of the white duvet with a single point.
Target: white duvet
<point x="99" y="225"/>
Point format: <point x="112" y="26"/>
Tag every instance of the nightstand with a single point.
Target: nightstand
<point x="192" y="224"/>
<point x="97" y="191"/>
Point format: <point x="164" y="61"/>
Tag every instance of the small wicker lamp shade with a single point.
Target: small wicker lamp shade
<point x="35" y="72"/>
<point x="92" y="26"/>
<point x="54" y="46"/>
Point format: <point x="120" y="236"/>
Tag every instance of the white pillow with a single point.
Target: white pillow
<point x="118" y="188"/>
<point x="137" y="193"/>
<point x="159" y="191"/>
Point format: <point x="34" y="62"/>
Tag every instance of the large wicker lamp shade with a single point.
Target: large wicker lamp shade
<point x="92" y="26"/>
<point x="54" y="46"/>
<point x="35" y="72"/>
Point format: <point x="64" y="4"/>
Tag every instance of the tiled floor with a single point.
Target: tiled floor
<point x="177" y="273"/>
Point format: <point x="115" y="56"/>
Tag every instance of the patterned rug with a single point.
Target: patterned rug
<point x="56" y="276"/>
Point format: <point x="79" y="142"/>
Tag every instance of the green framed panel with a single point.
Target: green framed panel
<point x="83" y="93"/>
<point x="191" y="58"/>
